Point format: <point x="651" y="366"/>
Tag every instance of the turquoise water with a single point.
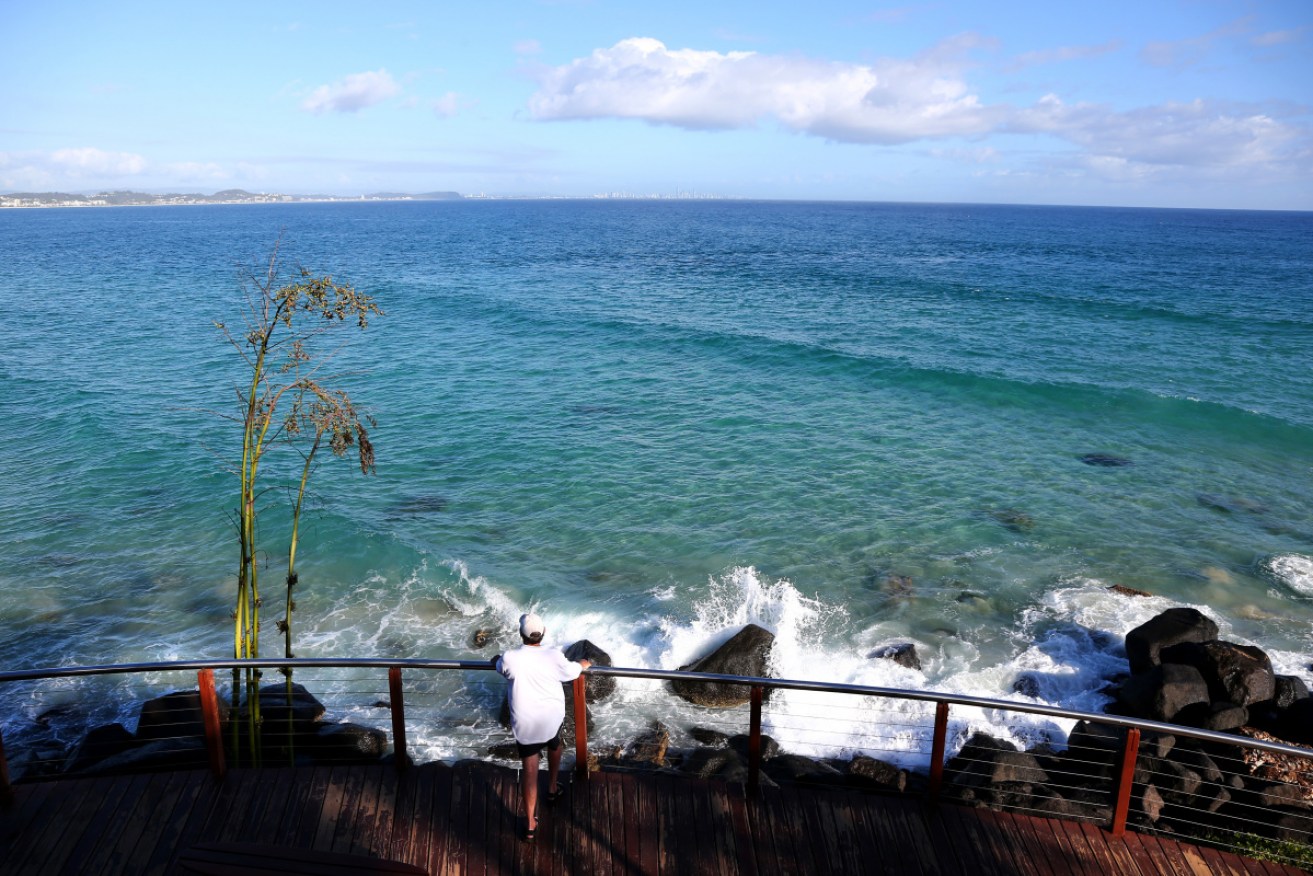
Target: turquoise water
<point x="854" y="424"/>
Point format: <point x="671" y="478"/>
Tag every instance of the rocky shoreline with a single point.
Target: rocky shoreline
<point x="1180" y="673"/>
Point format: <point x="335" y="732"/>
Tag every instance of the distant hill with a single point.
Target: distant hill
<point x="227" y="196"/>
<point x="428" y="196"/>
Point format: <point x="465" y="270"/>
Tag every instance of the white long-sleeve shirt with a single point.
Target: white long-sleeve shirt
<point x="537" y="701"/>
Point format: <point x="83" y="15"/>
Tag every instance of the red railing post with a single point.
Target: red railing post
<point x="754" y="740"/>
<point x="210" y="718"/>
<point x="1125" y="779"/>
<point x="398" y="701"/>
<point x="580" y="727"/>
<point x="937" y="749"/>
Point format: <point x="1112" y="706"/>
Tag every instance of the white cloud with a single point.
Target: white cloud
<point x="91" y="161"/>
<point x="352" y="93"/>
<point x="528" y="47"/>
<point x="1279" y="37"/>
<point x="890" y="101"/>
<point x="447" y="106"/>
<point x="1063" y="53"/>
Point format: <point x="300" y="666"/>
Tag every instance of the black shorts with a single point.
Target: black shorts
<point x="530" y="750"/>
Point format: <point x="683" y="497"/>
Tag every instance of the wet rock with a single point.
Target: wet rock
<point x="870" y="772"/>
<point x="1219" y="716"/>
<point x="904" y="654"/>
<point x="1027" y="685"/>
<point x="1240" y="674"/>
<point x="171" y="716"/>
<point x="1230" y="504"/>
<point x="1014" y="520"/>
<point x="596" y="687"/>
<point x="100" y="743"/>
<point x="174" y="753"/>
<point x="1162" y="692"/>
<point x="1289" y="690"/>
<point x="716" y="763"/>
<point x="414" y="505"/>
<point x="349" y="743"/>
<point x="1128" y="591"/>
<point x="1150" y="803"/>
<point x="769" y="747"/>
<point x="710" y="738"/>
<point x="794" y="768"/>
<point x="278" y="704"/>
<point x="1173" y="626"/>
<point x="650" y="748"/>
<point x="1105" y="460"/>
<point x="505" y="751"/>
<point x="747" y="654"/>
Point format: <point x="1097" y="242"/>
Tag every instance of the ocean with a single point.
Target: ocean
<point x="857" y="425"/>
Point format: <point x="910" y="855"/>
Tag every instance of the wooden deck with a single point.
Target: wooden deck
<point x="465" y="820"/>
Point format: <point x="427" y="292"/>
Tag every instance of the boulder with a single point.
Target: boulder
<point x="1163" y="691"/>
<point x="747" y="653"/>
<point x="172" y="716"/>
<point x="278" y="704"/>
<point x="349" y="743"/>
<point x="1289" y="689"/>
<point x="649" y="748"/>
<point x="985" y="760"/>
<point x="98" y="744"/>
<point x="1174" y="625"/>
<point x="769" y="747"/>
<point x="709" y="738"/>
<point x="1220" y="716"/>
<point x="870" y="772"/>
<point x="1241" y="674"/>
<point x="1297" y="722"/>
<point x="904" y="654"/>
<point x="802" y="770"/>
<point x="1150" y="803"/>
<point x="596" y="687"/>
<point x="159" y="755"/>
<point x="716" y="763"/>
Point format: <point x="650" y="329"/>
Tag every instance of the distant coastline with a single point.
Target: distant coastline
<point x="29" y="200"/>
<point x="227" y="196"/>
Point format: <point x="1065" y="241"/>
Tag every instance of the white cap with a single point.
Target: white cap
<point x="531" y="624"/>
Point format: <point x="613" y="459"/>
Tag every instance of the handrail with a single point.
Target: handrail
<point x="671" y="675"/>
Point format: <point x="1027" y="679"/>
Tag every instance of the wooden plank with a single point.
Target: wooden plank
<point x="1041" y="846"/>
<point x="597" y="825"/>
<point x="722" y="822"/>
<point x="46" y="799"/>
<point x="1168" y="854"/>
<point x="306" y="823"/>
<point x="1009" y="845"/>
<point x="649" y="830"/>
<point x="349" y="782"/>
<point x="48" y="828"/>
<point x="763" y="846"/>
<point x="924" y="833"/>
<point x="261" y="858"/>
<point x="1220" y="862"/>
<point x="1143" y="855"/>
<point x="458" y="814"/>
<point x="873" y="856"/>
<point x="160" y="809"/>
<point x="819" y="822"/>
<point x="777" y="828"/>
<point x="701" y="841"/>
<point x="197" y="784"/>
<point x="745" y="853"/>
<point x="365" y="824"/>
<point x="404" y="818"/>
<point x="964" y="827"/>
<point x="1108" y="851"/>
<point x="668" y="858"/>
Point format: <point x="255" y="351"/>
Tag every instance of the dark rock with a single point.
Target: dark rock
<point x="769" y="747"/>
<point x="1176" y="782"/>
<point x="161" y="754"/>
<point x="710" y="738"/>
<point x="278" y="705"/>
<point x="747" y="653"/>
<point x="1105" y="460"/>
<point x="801" y="770"/>
<point x="1128" y="591"/>
<point x="1289" y="689"/>
<point x="596" y="687"/>
<point x="1014" y="520"/>
<point x="904" y="654"/>
<point x="1027" y="685"/>
<point x="1283" y="795"/>
<point x="349" y="743"/>
<point x="505" y="751"/>
<point x="172" y="716"/>
<point x="649" y="748"/>
<point x="1160" y="693"/>
<point x="716" y="763"/>
<point x="100" y="743"/>
<point x="867" y="771"/>
<point x="37" y="760"/>
<point x="1174" y="625"/>
<point x="1150" y="802"/>
<point x="985" y="760"/>
<point x="1288" y="826"/>
<point x="1241" y="674"/>
<point x="1220" y="716"/>
<point x="1297" y="722"/>
<point x="1230" y="504"/>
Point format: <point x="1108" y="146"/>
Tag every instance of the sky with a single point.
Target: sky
<point x="1160" y="103"/>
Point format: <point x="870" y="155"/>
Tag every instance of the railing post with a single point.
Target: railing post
<point x="210" y="718"/>
<point x="1125" y="779"/>
<point x="397" y="698"/>
<point x="580" y="727"/>
<point x="6" y="789"/>
<point x="754" y="740"/>
<point x="937" y="750"/>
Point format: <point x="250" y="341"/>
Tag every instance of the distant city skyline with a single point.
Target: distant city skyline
<point x="1180" y="103"/>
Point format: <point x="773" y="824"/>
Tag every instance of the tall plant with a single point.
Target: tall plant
<point x="286" y="399"/>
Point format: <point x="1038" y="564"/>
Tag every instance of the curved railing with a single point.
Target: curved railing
<point x="1122" y="769"/>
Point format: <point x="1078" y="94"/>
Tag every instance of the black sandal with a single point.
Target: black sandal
<point x="529" y="832"/>
<point x="552" y="796"/>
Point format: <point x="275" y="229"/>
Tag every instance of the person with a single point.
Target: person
<point x="537" y="709"/>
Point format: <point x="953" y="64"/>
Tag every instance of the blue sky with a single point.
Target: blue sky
<point x="1190" y="103"/>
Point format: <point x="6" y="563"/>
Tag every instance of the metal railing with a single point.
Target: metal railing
<point x="1130" y="765"/>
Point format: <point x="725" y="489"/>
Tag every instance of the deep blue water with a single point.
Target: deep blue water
<point x="854" y="423"/>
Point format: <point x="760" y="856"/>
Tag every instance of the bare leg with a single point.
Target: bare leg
<point x="553" y="767"/>
<point x="529" y="785"/>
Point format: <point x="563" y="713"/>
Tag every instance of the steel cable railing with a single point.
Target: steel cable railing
<point x="1112" y="770"/>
